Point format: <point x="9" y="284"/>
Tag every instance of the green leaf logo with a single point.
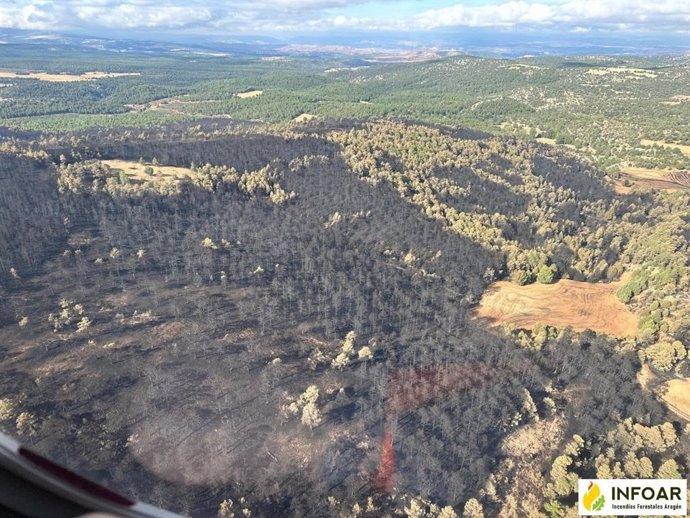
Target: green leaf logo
<point x="598" y="504"/>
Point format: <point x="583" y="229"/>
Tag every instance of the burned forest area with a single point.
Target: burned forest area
<point x="279" y="319"/>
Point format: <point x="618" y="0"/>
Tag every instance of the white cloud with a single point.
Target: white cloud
<point x="27" y="17"/>
<point x="510" y="13"/>
<point x="236" y="16"/>
<point x="137" y="15"/>
<point x="641" y="14"/>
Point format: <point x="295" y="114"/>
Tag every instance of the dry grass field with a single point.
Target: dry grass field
<point x="652" y="178"/>
<point x="250" y="94"/>
<point x="567" y="303"/>
<point x="56" y="78"/>
<point x="304" y="117"/>
<point x="677" y="397"/>
<point x="137" y="171"/>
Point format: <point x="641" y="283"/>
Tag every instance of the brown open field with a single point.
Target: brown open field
<point x="567" y="303"/>
<point x="653" y="178"/>
<point x="162" y="173"/>
<point x="680" y="178"/>
<point x="250" y="94"/>
<point x="86" y="76"/>
<point x="304" y="117"/>
<point x="677" y="397"/>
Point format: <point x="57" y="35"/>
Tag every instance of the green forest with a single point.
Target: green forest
<point x="616" y="111"/>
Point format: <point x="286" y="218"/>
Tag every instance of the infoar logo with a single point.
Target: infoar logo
<point x="632" y="497"/>
<point x="593" y="500"/>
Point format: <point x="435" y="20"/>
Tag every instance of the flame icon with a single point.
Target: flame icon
<point x="593" y="500"/>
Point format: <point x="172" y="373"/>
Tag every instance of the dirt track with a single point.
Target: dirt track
<point x="677" y="397"/>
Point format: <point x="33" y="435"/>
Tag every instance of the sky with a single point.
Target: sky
<point x="280" y="17"/>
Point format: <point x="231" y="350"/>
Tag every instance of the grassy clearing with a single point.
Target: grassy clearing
<point x="63" y="78"/>
<point x="161" y="174"/>
<point x="250" y="94"/>
<point x="305" y="117"/>
<point x="567" y="303"/>
<point x="677" y="397"/>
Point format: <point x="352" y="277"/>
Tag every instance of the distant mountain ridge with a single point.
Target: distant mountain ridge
<point x="480" y="41"/>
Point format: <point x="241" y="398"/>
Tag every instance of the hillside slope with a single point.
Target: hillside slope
<point x="292" y="324"/>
